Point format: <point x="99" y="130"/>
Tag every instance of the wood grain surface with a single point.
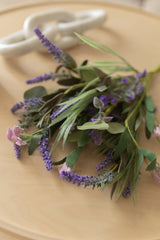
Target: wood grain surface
<point x="36" y="204"/>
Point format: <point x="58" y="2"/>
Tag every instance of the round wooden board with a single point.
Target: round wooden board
<point x="36" y="204"/>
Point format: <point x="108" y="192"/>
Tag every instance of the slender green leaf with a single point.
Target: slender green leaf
<point x="72" y="158"/>
<point x="150" y="120"/>
<point x="122" y="145"/>
<point x="140" y="160"/>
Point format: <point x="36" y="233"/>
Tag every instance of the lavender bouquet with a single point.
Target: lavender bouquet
<point x="106" y="108"/>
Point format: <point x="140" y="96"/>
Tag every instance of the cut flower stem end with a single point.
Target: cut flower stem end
<point x="106" y="108"/>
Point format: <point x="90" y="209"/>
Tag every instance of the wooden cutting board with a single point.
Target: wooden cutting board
<point x="36" y="204"/>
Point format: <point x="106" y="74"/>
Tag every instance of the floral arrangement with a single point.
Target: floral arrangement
<point x="105" y="103"/>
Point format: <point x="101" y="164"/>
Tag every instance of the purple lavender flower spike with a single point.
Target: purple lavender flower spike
<point x="141" y="75"/>
<point x="17" y="107"/>
<point x="17" y="150"/>
<point x="124" y="80"/>
<point x="52" y="49"/>
<point x="56" y="112"/>
<point x="108" y="159"/>
<point x="127" y="191"/>
<point x="26" y="104"/>
<point x="86" y="180"/>
<point x="96" y="136"/>
<point x="44" y="149"/>
<point x="42" y="78"/>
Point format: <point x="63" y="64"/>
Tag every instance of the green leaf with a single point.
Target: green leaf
<point x="138" y="121"/>
<point x="105" y="49"/>
<point x="87" y="74"/>
<point x="85" y="139"/>
<point x="149" y="104"/>
<point x="148" y="154"/>
<point x="123" y="183"/>
<point x="75" y="136"/>
<point x="102" y="88"/>
<point x="150" y="120"/>
<point x="115" y="128"/>
<point x="35" y="92"/>
<point x="151" y="166"/>
<point x="140" y="161"/>
<point x="100" y="125"/>
<point x="33" y="143"/>
<point x="72" y="158"/>
<point x="122" y="145"/>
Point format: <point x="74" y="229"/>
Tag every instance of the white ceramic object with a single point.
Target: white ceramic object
<point x="25" y="40"/>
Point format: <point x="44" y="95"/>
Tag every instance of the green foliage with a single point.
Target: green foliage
<point x="35" y="92"/>
<point x="72" y="158"/>
<point x="99" y="125"/>
<point x="34" y="143"/>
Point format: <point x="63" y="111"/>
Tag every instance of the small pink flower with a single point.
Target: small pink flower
<point x="64" y="168"/>
<point x="157" y="131"/>
<point x="13" y="135"/>
<point x="156" y="174"/>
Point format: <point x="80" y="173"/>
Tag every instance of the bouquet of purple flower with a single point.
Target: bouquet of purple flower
<point x="103" y="107"/>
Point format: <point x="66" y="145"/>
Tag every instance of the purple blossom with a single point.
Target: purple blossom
<point x="17" y="150"/>
<point x="26" y="104"/>
<point x="108" y="99"/>
<point x="17" y="106"/>
<point x="139" y="89"/>
<point x="52" y="49"/>
<point x="56" y="112"/>
<point x="42" y="78"/>
<point x="114" y="101"/>
<point x="141" y="75"/>
<point x="86" y="180"/>
<point x="108" y="159"/>
<point x="44" y="149"/>
<point x="96" y="136"/>
<point x="124" y="80"/>
<point x="127" y="191"/>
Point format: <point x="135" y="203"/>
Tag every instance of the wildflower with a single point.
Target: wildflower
<point x="52" y="49"/>
<point x="44" y="149"/>
<point x="17" y="150"/>
<point x="13" y="135"/>
<point x="86" y="180"/>
<point x="28" y="103"/>
<point x="38" y="79"/>
<point x="64" y="168"/>
<point x="96" y="136"/>
<point x="157" y="131"/>
<point x="108" y="159"/>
